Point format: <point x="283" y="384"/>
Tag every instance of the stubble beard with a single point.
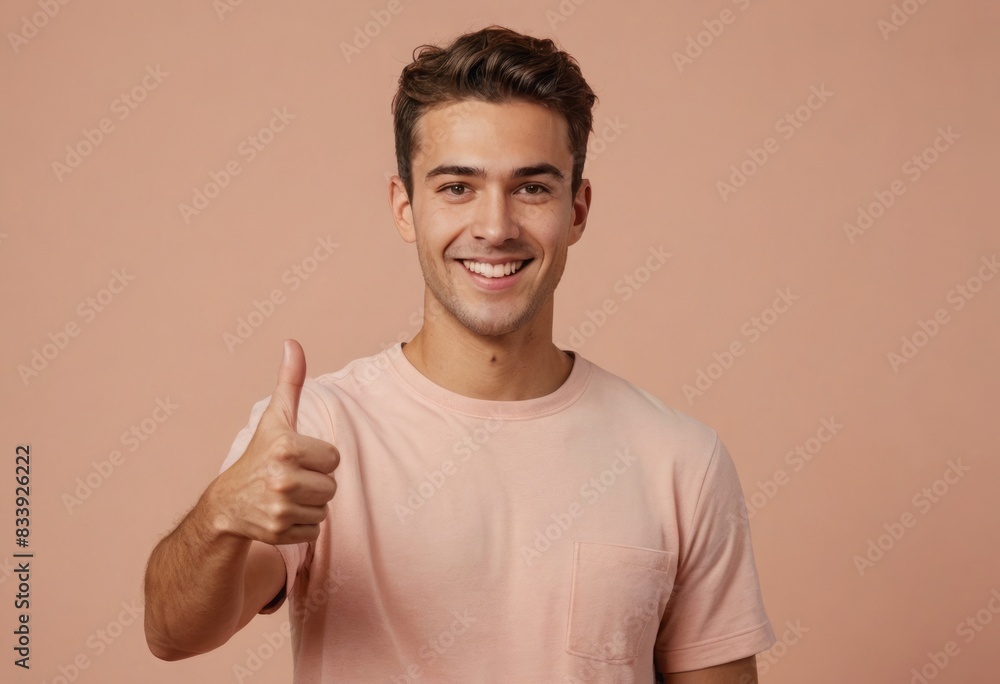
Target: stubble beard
<point x="466" y="314"/>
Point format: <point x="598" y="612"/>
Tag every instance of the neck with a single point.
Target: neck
<point x="523" y="364"/>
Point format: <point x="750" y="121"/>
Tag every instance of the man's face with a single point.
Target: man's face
<point x="492" y="213"/>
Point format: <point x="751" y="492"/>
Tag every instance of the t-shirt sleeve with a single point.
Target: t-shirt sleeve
<point x="716" y="612"/>
<point x="313" y="419"/>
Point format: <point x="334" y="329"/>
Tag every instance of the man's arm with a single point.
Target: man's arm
<point x="742" y="671"/>
<point x="203" y="586"/>
<point x="208" y="578"/>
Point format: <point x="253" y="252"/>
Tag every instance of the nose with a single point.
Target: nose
<point x="495" y="221"/>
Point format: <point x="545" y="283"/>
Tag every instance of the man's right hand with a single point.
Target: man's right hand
<point x="278" y="490"/>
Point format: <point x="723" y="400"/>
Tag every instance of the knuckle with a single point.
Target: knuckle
<point x="273" y="467"/>
<point x="275" y="526"/>
<point x="285" y="446"/>
<point x="279" y="513"/>
<point x="281" y="483"/>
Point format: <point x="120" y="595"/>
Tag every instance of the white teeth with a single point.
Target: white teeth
<point x="493" y="270"/>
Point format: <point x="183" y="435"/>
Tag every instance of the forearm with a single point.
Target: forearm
<point x="194" y="587"/>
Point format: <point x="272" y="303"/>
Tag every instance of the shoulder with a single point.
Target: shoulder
<point x="624" y="401"/>
<point x="355" y="380"/>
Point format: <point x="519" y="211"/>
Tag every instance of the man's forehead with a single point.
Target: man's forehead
<point x="455" y="109"/>
<point x="441" y="128"/>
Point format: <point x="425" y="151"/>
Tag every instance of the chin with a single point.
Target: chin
<point x="490" y="329"/>
<point x="496" y="327"/>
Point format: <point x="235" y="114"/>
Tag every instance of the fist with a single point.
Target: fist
<point x="278" y="490"/>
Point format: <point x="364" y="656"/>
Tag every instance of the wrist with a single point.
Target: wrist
<point x="217" y="517"/>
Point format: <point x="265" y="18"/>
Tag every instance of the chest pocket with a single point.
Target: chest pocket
<point x="617" y="598"/>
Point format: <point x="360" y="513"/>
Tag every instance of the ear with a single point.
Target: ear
<point x="581" y="209"/>
<point x="402" y="210"/>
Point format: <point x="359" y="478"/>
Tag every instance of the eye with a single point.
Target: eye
<point x="449" y="189"/>
<point x="535" y="189"/>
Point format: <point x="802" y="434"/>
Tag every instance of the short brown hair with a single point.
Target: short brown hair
<point x="497" y="65"/>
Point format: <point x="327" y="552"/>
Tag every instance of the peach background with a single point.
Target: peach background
<point x="654" y="177"/>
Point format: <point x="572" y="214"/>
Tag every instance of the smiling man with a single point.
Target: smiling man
<point x="493" y="213"/>
<point x="475" y="505"/>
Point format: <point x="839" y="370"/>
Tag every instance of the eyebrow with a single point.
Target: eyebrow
<point x="542" y="169"/>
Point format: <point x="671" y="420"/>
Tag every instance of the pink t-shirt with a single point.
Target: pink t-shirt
<point x="582" y="536"/>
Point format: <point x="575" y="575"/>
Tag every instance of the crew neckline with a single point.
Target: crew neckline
<point x="425" y="388"/>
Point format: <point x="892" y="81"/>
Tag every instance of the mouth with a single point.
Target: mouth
<point x="501" y="270"/>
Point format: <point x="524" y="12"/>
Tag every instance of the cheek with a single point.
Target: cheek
<point x="550" y="229"/>
<point x="438" y="229"/>
<point x="550" y="216"/>
<point x="444" y="215"/>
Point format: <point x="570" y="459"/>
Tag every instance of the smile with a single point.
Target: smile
<point x="493" y="270"/>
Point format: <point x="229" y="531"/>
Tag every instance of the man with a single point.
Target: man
<point x="502" y="510"/>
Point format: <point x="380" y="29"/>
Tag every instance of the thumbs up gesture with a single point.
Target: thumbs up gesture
<point x="278" y="490"/>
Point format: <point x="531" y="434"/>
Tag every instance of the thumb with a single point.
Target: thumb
<point x="291" y="375"/>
